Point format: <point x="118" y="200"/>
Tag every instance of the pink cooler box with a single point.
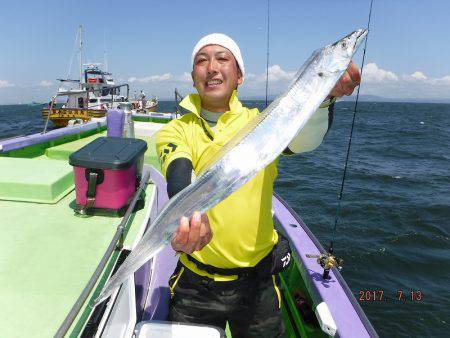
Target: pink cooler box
<point x="107" y="172"/>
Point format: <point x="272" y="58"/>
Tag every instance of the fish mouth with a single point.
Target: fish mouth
<point x="360" y="35"/>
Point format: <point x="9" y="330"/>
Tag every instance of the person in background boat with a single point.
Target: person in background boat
<point x="52" y="104"/>
<point x="231" y="276"/>
<point x="142" y="97"/>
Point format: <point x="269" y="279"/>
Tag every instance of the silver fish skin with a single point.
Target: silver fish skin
<point x="255" y="146"/>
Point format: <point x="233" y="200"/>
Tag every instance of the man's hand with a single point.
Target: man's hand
<point x="348" y="82"/>
<point x="192" y="235"/>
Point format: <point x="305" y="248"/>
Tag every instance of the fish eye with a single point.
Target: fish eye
<point x="344" y="44"/>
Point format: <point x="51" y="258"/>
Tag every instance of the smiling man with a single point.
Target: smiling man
<point x="216" y="75"/>
<point x="231" y="256"/>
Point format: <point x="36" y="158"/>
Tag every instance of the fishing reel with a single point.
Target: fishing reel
<point x="327" y="261"/>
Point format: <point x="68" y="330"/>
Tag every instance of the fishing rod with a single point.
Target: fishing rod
<point x="328" y="260"/>
<point x="267" y="56"/>
<point x="355" y="109"/>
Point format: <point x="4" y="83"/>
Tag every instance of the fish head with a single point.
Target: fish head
<point x="338" y="55"/>
<point x="348" y="45"/>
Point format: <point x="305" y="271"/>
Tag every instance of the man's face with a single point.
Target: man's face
<point x="215" y="75"/>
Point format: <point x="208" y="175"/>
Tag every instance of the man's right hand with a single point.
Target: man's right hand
<point x="192" y="235"/>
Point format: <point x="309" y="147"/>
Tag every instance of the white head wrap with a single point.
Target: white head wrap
<point x="221" y="40"/>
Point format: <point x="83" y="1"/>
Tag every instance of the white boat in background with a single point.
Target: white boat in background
<point x="150" y="114"/>
<point x="95" y="93"/>
<point x="141" y="105"/>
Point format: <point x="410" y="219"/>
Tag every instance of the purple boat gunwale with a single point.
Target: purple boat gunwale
<point x="143" y="276"/>
<point x="156" y="301"/>
<point x="350" y="319"/>
<point x="25" y="141"/>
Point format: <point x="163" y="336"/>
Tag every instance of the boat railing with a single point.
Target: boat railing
<point x="11" y="138"/>
<point x="49" y="113"/>
<point x="178" y="99"/>
<point x="19" y="142"/>
<point x="97" y="106"/>
<point x="109" y="88"/>
<point x="92" y="90"/>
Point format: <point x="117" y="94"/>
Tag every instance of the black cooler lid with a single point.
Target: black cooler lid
<point x="109" y="153"/>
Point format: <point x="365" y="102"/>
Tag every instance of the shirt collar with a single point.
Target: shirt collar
<point x="193" y="103"/>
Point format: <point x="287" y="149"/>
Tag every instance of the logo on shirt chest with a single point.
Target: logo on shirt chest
<point x="169" y="148"/>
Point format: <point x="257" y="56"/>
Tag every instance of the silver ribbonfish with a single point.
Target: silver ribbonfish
<point x="255" y="146"/>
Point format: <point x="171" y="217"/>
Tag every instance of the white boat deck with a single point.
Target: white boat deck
<point x="146" y="129"/>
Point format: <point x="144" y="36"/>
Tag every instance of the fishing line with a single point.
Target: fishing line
<point x="72" y="55"/>
<point x="344" y="175"/>
<point x="267" y="57"/>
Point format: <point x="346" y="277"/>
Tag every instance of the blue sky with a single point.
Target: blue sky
<point x="149" y="42"/>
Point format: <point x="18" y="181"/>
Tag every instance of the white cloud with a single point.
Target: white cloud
<point x="445" y="80"/>
<point x="5" y="84"/>
<point x="373" y="74"/>
<point x="45" y="83"/>
<point x="185" y="77"/>
<point x="418" y="75"/>
<point x="250" y="76"/>
<point x="159" y="78"/>
<point x="276" y="74"/>
<point x="151" y="78"/>
<point x="377" y="81"/>
<point x="386" y="83"/>
<point x="279" y="80"/>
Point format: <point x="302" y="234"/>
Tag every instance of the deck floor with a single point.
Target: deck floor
<point x="48" y="254"/>
<point x="48" y="257"/>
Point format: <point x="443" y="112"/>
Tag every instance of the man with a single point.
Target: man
<point x="231" y="276"/>
<point x="142" y="97"/>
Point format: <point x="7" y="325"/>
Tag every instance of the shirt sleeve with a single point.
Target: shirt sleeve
<point x="171" y="143"/>
<point x="313" y="133"/>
